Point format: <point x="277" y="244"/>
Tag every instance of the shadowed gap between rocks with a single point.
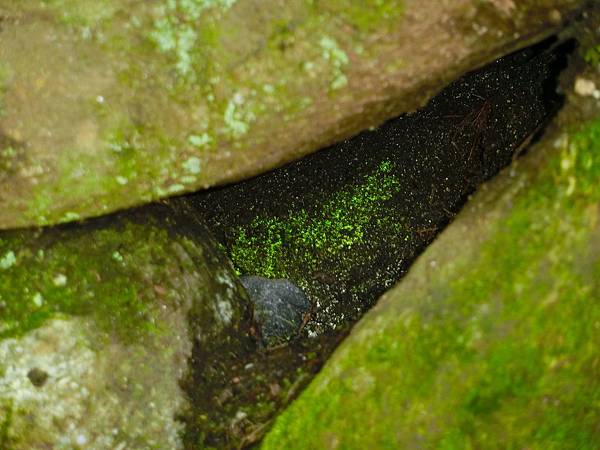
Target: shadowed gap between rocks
<point x="345" y="223"/>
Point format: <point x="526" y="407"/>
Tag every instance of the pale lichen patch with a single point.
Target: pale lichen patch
<point x="117" y="256"/>
<point x="175" y="188"/>
<point x="237" y="116"/>
<point x="175" y="29"/>
<point x="121" y="180"/>
<point x="38" y="299"/>
<point x="69" y="216"/>
<point x="200" y="141"/>
<point x="192" y="165"/>
<point x="60" y="280"/>
<point x="333" y="53"/>
<point x="225" y="311"/>
<point x="8" y="260"/>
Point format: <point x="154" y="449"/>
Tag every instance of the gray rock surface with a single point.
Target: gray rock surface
<point x="111" y="104"/>
<point x="279" y="307"/>
<point x="98" y="326"/>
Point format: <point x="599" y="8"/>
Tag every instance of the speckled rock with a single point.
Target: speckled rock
<point x="109" y="104"/>
<point x="279" y="306"/>
<point x="98" y="324"/>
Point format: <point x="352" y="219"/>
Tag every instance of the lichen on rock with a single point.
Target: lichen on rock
<point x="98" y="324"/>
<point x="100" y="98"/>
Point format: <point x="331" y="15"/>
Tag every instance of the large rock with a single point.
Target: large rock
<point x="492" y="340"/>
<point x="97" y="328"/>
<point x="109" y="104"/>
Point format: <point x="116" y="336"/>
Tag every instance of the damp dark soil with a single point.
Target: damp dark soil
<point x="345" y="224"/>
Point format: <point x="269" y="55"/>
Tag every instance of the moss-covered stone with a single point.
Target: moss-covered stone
<point x="108" y="102"/>
<point x="98" y="325"/>
<point x="491" y="341"/>
<point x="338" y="227"/>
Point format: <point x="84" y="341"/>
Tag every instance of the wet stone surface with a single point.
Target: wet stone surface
<point x="279" y="307"/>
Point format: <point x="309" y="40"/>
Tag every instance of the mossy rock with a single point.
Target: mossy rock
<point x="492" y="339"/>
<point x="109" y="104"/>
<point x="98" y="323"/>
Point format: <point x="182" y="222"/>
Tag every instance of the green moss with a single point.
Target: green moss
<point x="5" y="439"/>
<point x="592" y="55"/>
<point x="180" y="70"/>
<point x="126" y="147"/>
<point x="80" y="275"/>
<point x="4" y="80"/>
<point x="280" y="246"/>
<point x="368" y="15"/>
<point x="500" y="352"/>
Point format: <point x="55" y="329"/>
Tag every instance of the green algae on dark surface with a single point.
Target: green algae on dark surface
<point x="339" y="226"/>
<point x="491" y="341"/>
<point x="345" y="223"/>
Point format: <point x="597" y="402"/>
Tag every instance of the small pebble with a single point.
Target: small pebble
<point x="585" y="87"/>
<point x="37" y="376"/>
<point x="279" y="307"/>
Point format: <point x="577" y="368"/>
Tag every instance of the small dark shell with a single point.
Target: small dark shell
<point x="279" y="307"/>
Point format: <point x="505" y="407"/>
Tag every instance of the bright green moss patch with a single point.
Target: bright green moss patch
<point x="592" y="55"/>
<point x="497" y="352"/>
<point x="280" y="246"/>
<point x="101" y="274"/>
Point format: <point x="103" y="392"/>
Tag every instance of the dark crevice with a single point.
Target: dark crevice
<point x="432" y="160"/>
<point x="346" y="223"/>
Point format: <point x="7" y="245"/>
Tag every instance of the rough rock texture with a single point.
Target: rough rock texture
<point x="492" y="340"/>
<point x="97" y="327"/>
<point x="280" y="307"/>
<point x="108" y="104"/>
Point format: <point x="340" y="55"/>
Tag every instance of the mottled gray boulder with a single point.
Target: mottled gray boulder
<point x="279" y="307"/>
<point x="98" y="325"/>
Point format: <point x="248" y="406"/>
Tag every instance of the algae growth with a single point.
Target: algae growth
<point x="219" y="78"/>
<point x="278" y="247"/>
